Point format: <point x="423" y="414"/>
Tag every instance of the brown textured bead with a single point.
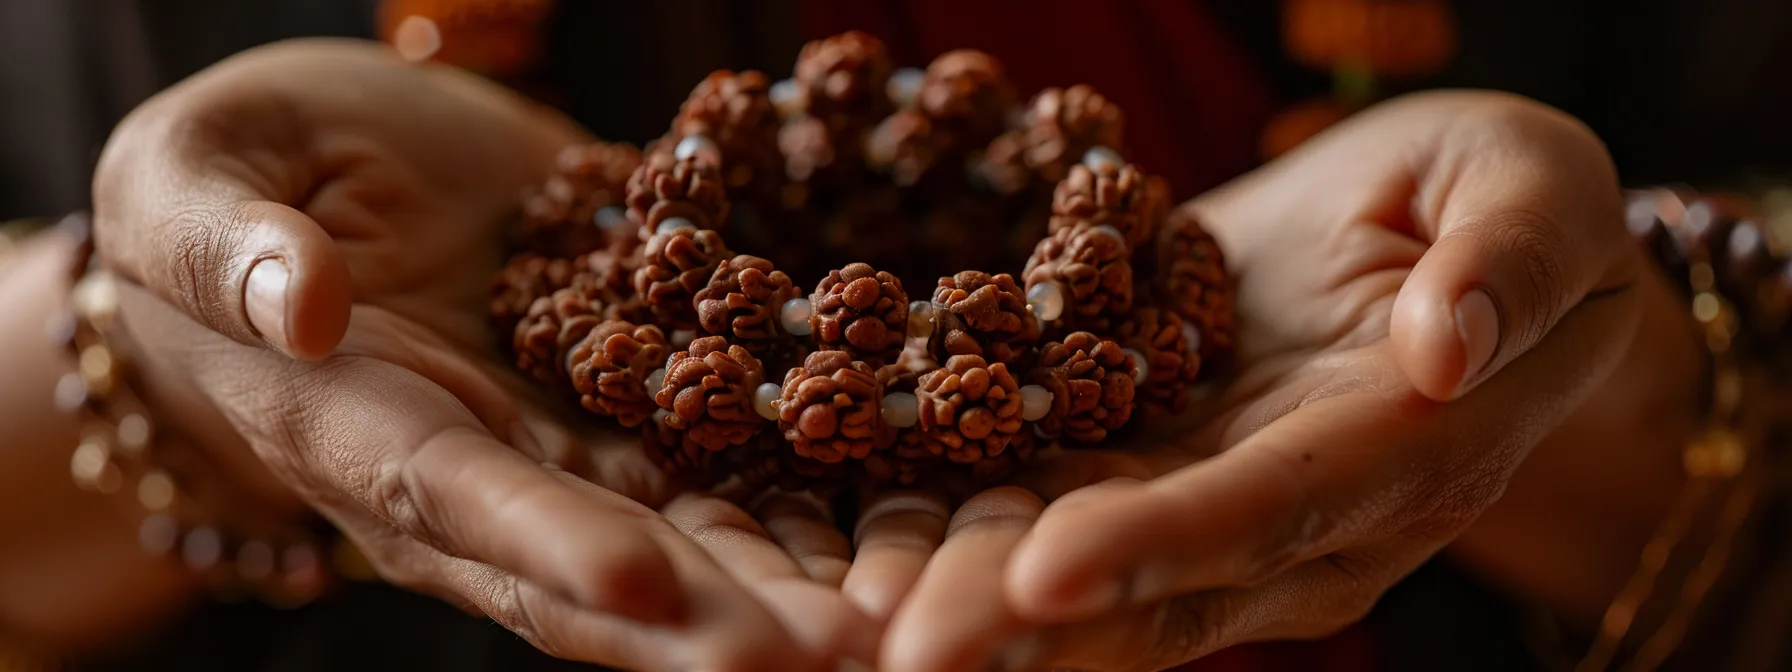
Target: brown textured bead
<point x="1117" y="196"/>
<point x="808" y="147"/>
<point x="665" y="187"/>
<point x="756" y="463"/>
<point x="709" y="391"/>
<point x="969" y="409"/>
<point x="610" y="366"/>
<point x="1062" y="124"/>
<point x="524" y="279"/>
<point x="965" y="91"/>
<point x="830" y="408"/>
<point x="1170" y="368"/>
<point x="862" y="311"/>
<point x="841" y="80"/>
<point x="1093" y="266"/>
<point x="555" y="324"/>
<point x="906" y="463"/>
<point x="980" y="314"/>
<point x="1191" y="278"/>
<point x="905" y="145"/>
<point x="735" y="111"/>
<point x="675" y="266"/>
<point x="559" y="217"/>
<point x="742" y="302"/>
<point x="1090" y="379"/>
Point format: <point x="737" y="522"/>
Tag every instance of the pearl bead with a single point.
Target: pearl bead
<point x="1191" y="337"/>
<point x="920" y="319"/>
<point x="693" y="145"/>
<point x="1099" y="159"/>
<point x="656" y="381"/>
<point x="1107" y="230"/>
<point x="1035" y="402"/>
<point x="674" y="225"/>
<point x="1047" y="300"/>
<point x="784" y="96"/>
<point x="904" y="85"/>
<point x="1138" y="360"/>
<point x="765" y="400"/>
<point x="610" y="218"/>
<point x="794" y="317"/>
<point x="901" y="409"/>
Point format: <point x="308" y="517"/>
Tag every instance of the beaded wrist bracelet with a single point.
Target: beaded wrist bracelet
<point x="627" y="294"/>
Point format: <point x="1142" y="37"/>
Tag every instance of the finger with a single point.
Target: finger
<point x="1356" y="460"/>
<point x="958" y="617"/>
<point x="725" y="628"/>
<point x="189" y="200"/>
<point x="1525" y="214"/>
<point x="802" y="526"/>
<point x="897" y="534"/>
<point x="817" y="616"/>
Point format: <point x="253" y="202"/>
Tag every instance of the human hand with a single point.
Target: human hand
<point x="1424" y="293"/>
<point x="343" y="207"/>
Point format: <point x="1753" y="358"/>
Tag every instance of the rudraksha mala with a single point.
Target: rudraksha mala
<point x="632" y="295"/>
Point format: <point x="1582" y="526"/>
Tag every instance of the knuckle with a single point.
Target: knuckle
<point x="512" y="610"/>
<point x="712" y="518"/>
<point x="203" y="238"/>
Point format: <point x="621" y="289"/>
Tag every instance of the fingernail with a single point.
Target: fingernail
<point x="264" y="299"/>
<point x="1478" y="325"/>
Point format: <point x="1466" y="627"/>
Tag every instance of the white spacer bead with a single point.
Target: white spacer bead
<point x="656" y="381"/>
<point x="1101" y="158"/>
<point x="1111" y="231"/>
<point x="904" y="85"/>
<point x="901" y="409"/>
<point x="610" y="218"/>
<point x="659" y="416"/>
<point x="1191" y="337"/>
<point x="784" y="97"/>
<point x="920" y="319"/>
<point x="1142" y="370"/>
<point x="692" y="145"/>
<point x="681" y="338"/>
<point x="674" y="225"/>
<point x="1046" y="299"/>
<point x="794" y="317"/>
<point x="1035" y="402"/>
<point x="765" y="400"/>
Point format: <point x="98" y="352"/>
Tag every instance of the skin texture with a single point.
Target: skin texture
<point x="1427" y="292"/>
<point x="369" y="384"/>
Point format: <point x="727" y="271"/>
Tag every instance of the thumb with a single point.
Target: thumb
<point x="184" y="208"/>
<point x="1525" y="215"/>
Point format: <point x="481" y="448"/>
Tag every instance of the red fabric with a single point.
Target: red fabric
<point x="1194" y="104"/>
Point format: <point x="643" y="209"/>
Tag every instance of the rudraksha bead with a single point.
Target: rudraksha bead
<point x="560" y="217"/>
<point x="1190" y="278"/>
<point x="555" y="324"/>
<point x="610" y="367"/>
<point x="1093" y="266"/>
<point x="965" y="91"/>
<point x="524" y="279"/>
<point x="689" y="464"/>
<point x="830" y="407"/>
<point x="841" y="80"/>
<point x="742" y="301"/>
<point x="675" y="266"/>
<point x="1114" y="195"/>
<point x="709" y="393"/>
<point x="1163" y="339"/>
<point x="1091" y="381"/>
<point x="734" y="110"/>
<point x="905" y="145"/>
<point x="862" y="311"/>
<point x="976" y="313"/>
<point x="907" y="462"/>
<point x="1061" y="125"/>
<point x="969" y="409"/>
<point x="665" y="187"/>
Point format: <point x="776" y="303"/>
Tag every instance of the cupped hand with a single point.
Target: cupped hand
<point x="1425" y="292"/>
<point x="345" y="208"/>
